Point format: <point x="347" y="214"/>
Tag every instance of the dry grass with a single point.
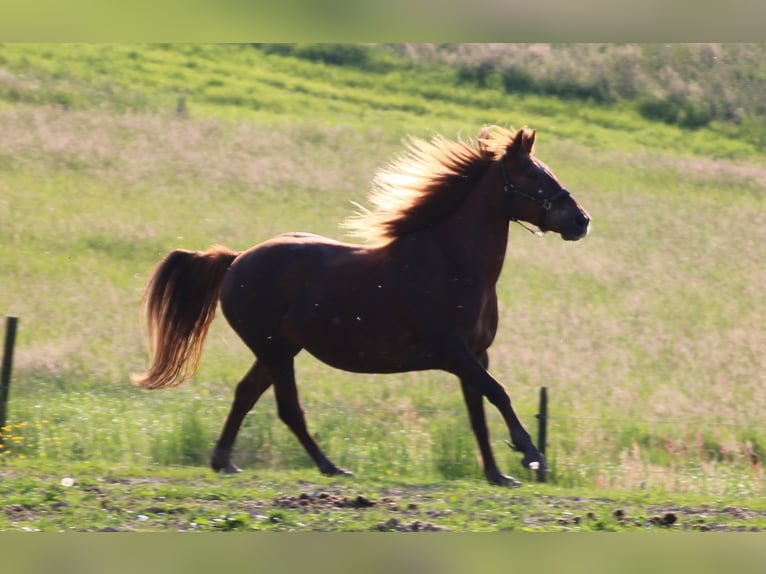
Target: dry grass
<point x="143" y="149"/>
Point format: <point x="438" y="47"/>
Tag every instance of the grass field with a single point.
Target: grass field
<point x="648" y="334"/>
<point x="93" y="497"/>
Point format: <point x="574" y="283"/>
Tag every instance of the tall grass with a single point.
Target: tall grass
<point x="647" y="333"/>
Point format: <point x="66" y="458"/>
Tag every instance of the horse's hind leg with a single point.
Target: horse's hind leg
<point x="248" y="391"/>
<point x="291" y="413"/>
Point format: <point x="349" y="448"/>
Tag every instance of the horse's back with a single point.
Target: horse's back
<point x="288" y="253"/>
<point x="269" y="269"/>
<point x="281" y="279"/>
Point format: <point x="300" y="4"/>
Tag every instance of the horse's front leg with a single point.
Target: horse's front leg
<point x="474" y="400"/>
<point x="477" y="381"/>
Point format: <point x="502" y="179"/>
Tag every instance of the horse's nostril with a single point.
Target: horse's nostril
<point x="582" y="220"/>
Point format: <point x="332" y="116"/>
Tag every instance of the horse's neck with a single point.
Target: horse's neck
<point x="475" y="235"/>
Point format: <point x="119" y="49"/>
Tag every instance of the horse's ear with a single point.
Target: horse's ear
<point x="523" y="142"/>
<point x="528" y="141"/>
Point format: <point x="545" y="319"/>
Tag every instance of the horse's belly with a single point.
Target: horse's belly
<point x="376" y="360"/>
<point x="353" y="343"/>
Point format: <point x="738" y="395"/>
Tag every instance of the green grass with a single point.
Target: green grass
<point x="238" y="81"/>
<point x="647" y="334"/>
<point x="50" y="497"/>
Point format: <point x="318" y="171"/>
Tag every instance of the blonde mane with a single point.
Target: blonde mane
<point x="425" y="183"/>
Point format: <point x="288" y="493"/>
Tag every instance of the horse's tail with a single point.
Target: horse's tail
<point x="180" y="304"/>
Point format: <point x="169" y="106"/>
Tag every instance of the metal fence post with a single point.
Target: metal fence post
<point x="5" y="374"/>
<point x="542" y="428"/>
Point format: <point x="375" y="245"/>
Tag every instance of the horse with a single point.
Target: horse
<point x="418" y="295"/>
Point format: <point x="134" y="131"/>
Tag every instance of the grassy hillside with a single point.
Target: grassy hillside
<point x="648" y="334"/>
<point x="332" y="84"/>
<point x="692" y="85"/>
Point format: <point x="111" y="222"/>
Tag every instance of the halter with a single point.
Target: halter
<point x="545" y="202"/>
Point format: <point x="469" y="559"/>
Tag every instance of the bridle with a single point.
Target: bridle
<point x="545" y="202"/>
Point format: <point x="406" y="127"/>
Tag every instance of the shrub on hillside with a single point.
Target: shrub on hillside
<point x="352" y="55"/>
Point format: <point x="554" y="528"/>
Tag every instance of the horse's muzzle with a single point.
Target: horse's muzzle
<point x="577" y="228"/>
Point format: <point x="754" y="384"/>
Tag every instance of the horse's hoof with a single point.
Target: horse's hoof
<point x="497" y="478"/>
<point x="230" y="468"/>
<point x="224" y="466"/>
<point x="335" y="471"/>
<point x="535" y="462"/>
<point x="533" y="458"/>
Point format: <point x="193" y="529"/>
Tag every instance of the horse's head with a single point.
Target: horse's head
<point x="533" y="194"/>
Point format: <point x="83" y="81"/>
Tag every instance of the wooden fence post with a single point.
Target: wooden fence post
<point x="5" y="374"/>
<point x="542" y="428"/>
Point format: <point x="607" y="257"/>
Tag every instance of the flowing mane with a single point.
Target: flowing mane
<point x="425" y="183"/>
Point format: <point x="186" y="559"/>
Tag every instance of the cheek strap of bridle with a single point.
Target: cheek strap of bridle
<point x="545" y="203"/>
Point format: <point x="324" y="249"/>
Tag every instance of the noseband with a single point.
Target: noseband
<point x="511" y="191"/>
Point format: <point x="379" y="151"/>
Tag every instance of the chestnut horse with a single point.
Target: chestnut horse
<point x="420" y="296"/>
